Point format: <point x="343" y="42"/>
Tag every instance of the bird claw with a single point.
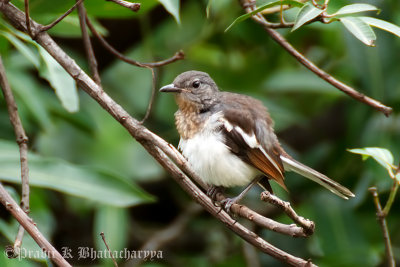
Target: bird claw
<point x="213" y="191"/>
<point x="227" y="203"/>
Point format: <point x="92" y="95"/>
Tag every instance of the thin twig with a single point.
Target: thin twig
<point x="54" y="23"/>
<point x="276" y="9"/>
<point x="156" y="146"/>
<point x="31" y="228"/>
<point x="308" y="225"/>
<point x="393" y="190"/>
<point x="311" y="66"/>
<point x="22" y="141"/>
<point x="391" y="198"/>
<point x="152" y="97"/>
<point x="132" y="6"/>
<point x="178" y="55"/>
<point x="382" y="222"/>
<point x="27" y="18"/>
<point x="87" y="43"/>
<point x="168" y="234"/>
<point x="108" y="249"/>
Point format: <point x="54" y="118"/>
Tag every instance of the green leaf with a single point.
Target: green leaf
<point x="23" y="48"/>
<point x="307" y="13"/>
<point x="381" y="24"/>
<point x="383" y="156"/>
<point x="59" y="79"/>
<point x="360" y="29"/>
<point x="261" y="8"/>
<point x="31" y="96"/>
<point x="93" y="184"/>
<point x="355" y="8"/>
<point x="172" y="6"/>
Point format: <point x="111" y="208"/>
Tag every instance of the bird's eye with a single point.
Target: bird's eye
<point x="196" y="84"/>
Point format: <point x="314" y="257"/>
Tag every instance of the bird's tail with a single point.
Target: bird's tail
<point x="292" y="165"/>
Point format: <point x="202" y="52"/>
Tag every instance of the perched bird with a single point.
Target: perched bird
<point x="229" y="139"/>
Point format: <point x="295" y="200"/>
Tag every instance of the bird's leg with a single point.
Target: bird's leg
<point x="213" y="190"/>
<point x="264" y="184"/>
<point x="228" y="202"/>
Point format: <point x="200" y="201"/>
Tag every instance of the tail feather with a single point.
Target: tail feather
<point x="293" y="165"/>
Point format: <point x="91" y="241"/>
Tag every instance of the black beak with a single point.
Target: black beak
<point x="170" y="88"/>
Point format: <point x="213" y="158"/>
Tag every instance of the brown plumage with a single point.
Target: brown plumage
<point x="229" y="138"/>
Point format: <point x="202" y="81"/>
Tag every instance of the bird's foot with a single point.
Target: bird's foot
<point x="213" y="191"/>
<point x="227" y="203"/>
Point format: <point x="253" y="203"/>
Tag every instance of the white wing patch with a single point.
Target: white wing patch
<point x="251" y="141"/>
<point x="228" y="126"/>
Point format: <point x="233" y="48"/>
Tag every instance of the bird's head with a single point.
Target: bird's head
<point x="193" y="89"/>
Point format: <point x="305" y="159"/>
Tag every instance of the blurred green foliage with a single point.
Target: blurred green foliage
<point x="95" y="170"/>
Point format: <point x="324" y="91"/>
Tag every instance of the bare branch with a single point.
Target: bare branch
<point x="132" y="6"/>
<point x="382" y="222"/>
<point x="276" y="9"/>
<point x="31" y="228"/>
<point x="152" y="97"/>
<point x="108" y="249"/>
<point x="54" y="23"/>
<point x="22" y="141"/>
<point x="311" y="66"/>
<point x="308" y="225"/>
<point x="157" y="147"/>
<point x="393" y="191"/>
<point x="27" y="18"/>
<point x="87" y="43"/>
<point x="178" y="55"/>
<point x="392" y="195"/>
<point x="250" y="253"/>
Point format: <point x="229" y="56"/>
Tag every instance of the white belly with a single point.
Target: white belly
<point x="211" y="159"/>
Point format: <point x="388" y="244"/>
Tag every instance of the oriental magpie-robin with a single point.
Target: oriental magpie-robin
<point x="229" y="140"/>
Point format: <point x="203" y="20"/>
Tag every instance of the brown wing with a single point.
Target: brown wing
<point x="245" y="145"/>
<point x="258" y="159"/>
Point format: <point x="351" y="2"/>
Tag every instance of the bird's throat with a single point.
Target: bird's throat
<point x="188" y="121"/>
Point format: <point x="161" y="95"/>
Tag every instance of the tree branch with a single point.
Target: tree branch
<point x="306" y="224"/>
<point x="31" y="228"/>
<point x="22" y="141"/>
<point x="250" y="6"/>
<point x="132" y="6"/>
<point x="217" y="212"/>
<point x="382" y="222"/>
<point x="54" y="23"/>
<point x="27" y="18"/>
<point x="152" y="97"/>
<point x="178" y="55"/>
<point x="108" y="249"/>
<point x="157" y="147"/>
<point x="87" y="43"/>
